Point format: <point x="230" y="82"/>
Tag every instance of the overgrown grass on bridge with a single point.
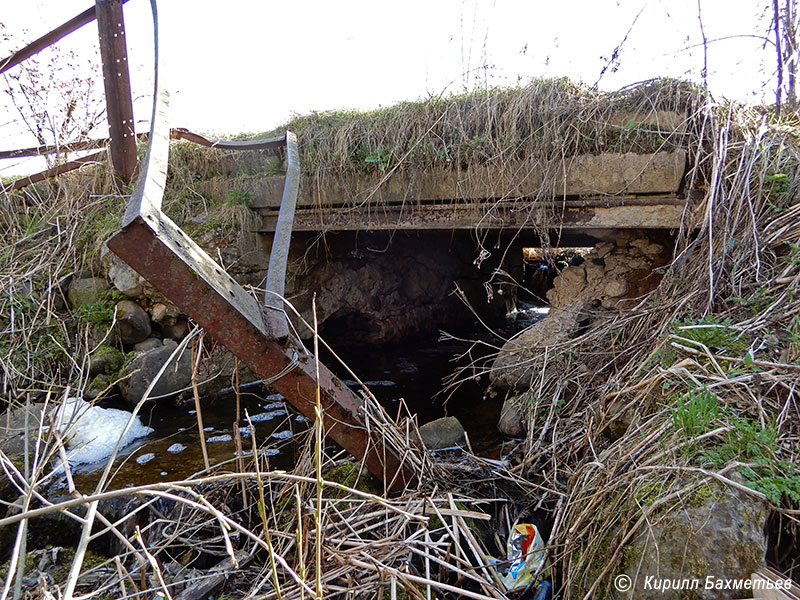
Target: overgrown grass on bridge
<point x="546" y="120"/>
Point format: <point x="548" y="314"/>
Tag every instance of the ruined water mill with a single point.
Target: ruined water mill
<point x="539" y="368"/>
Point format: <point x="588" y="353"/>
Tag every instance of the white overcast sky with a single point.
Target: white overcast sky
<point x="248" y="65"/>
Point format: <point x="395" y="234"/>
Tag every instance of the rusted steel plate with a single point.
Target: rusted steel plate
<point x="57" y="170"/>
<point x="179" y="269"/>
<point x="176" y="266"/>
<point x="641" y="213"/>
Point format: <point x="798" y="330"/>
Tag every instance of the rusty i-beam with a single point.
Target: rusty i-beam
<point x="117" y="81"/>
<point x="258" y="335"/>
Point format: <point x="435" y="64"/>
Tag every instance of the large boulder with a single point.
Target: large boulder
<point x="514" y="365"/>
<point x="143" y="369"/>
<point x="87" y="290"/>
<point x="717" y="532"/>
<point x="133" y="322"/>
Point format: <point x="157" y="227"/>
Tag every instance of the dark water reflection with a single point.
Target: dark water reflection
<point x="413" y="371"/>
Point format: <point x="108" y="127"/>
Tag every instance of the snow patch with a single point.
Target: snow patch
<point x="93" y="432"/>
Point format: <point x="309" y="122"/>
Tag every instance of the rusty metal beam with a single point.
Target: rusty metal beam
<point x="175" y="265"/>
<point x="116" y="77"/>
<point x="48" y="39"/>
<point x="57" y="170"/>
<point x="157" y="249"/>
<point x="581" y="214"/>
<point x="274" y="143"/>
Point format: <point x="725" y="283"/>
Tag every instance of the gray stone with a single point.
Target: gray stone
<point x="615" y="288"/>
<point x="176" y="331"/>
<point x="105" y="359"/>
<point x="164" y="313"/>
<point x="82" y="274"/>
<point x="133" y="322"/>
<point x="144" y="368"/>
<point x="125" y="279"/>
<point x="717" y="531"/>
<point x="148" y="344"/>
<point x="610" y="272"/>
<point x="103" y="334"/>
<point x="442" y="433"/>
<point x="12" y="429"/>
<point x="510" y="423"/>
<point x="514" y="365"/>
<point x="86" y="291"/>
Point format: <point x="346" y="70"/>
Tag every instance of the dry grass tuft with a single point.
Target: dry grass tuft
<point x="711" y="355"/>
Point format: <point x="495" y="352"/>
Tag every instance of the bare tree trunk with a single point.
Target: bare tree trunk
<point x="776" y="17"/>
<point x="790" y="52"/>
<point x="785" y="27"/>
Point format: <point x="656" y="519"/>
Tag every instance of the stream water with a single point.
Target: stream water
<point x="413" y="371"/>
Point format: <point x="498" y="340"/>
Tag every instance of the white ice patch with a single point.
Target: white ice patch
<point x="143" y="459"/>
<point x="225" y="437"/>
<point x="282" y="435"/>
<point x="263" y="452"/>
<point x="93" y="432"/>
<point x="176" y="448"/>
<point x="274" y="406"/>
<point x="268" y="416"/>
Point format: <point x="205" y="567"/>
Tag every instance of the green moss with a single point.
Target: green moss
<point x="351" y="474"/>
<point x="632" y="555"/>
<point x="100" y="312"/>
<point x="703" y="495"/>
<point x="115" y="359"/>
<point x="698" y="566"/>
<point x="31" y="560"/>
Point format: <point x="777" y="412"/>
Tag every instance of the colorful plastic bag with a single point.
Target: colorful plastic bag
<point x="525" y="556"/>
